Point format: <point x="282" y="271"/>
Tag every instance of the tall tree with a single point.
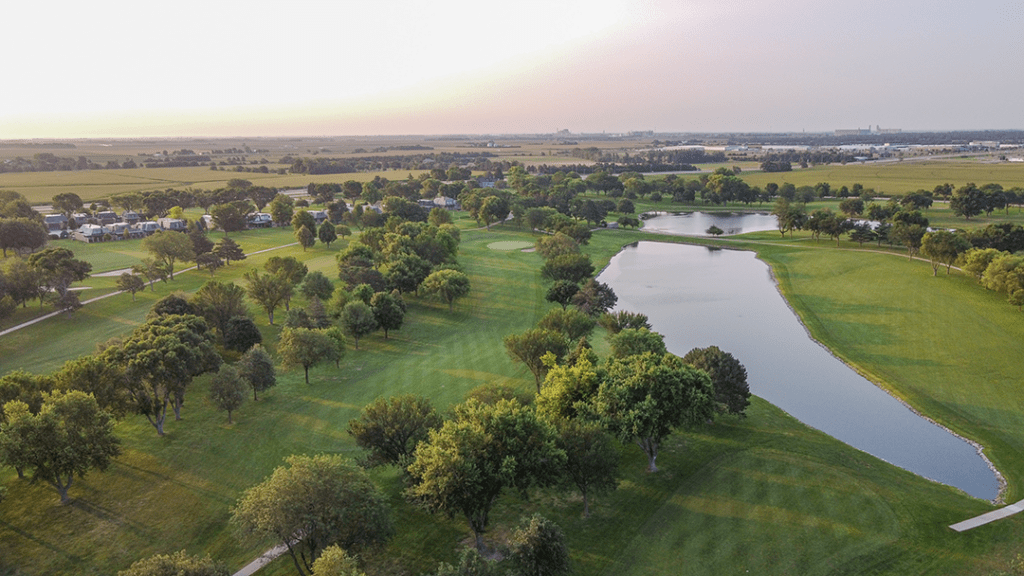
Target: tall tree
<point x="58" y="269"/>
<point x="388" y="311"/>
<point x="572" y="324"/>
<point x="327" y="233"/>
<point x="943" y="247"/>
<point x="67" y="203"/>
<point x="168" y="248"/>
<point x="591" y="460"/>
<point x="68" y="437"/>
<point x="615" y="322"/>
<point x="390" y="428"/>
<point x="448" y="285"/>
<point x="289" y="268"/>
<point x="229" y="250"/>
<point x="358" y="320"/>
<point x="594" y="298"/>
<point x="316" y="284"/>
<point x="561" y="292"/>
<point x="306" y="237"/>
<point x="218" y="303"/>
<point x="530" y="348"/>
<point x="268" y="290"/>
<point x="645" y="397"/>
<point x="312" y="503"/>
<point x="21" y="235"/>
<point x="573" y="268"/>
<point x="306" y="348"/>
<point x="256" y="368"/>
<point x="227" y="389"/>
<point x="241" y="334"/>
<point x="728" y="376"/>
<point x="464" y="466"/>
<point x="160" y="359"/>
<point x="128" y="282"/>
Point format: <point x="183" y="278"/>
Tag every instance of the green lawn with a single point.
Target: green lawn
<point x="764" y="494"/>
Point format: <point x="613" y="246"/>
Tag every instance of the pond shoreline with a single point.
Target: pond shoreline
<point x="976" y="448"/>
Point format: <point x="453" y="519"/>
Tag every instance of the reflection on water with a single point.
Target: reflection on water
<point x="697" y="223"/>
<point x="698" y="297"/>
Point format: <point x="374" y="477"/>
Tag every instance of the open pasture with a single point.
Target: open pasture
<point x="898" y="177"/>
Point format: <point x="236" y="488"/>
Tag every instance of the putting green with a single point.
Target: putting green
<point x="510" y="245"/>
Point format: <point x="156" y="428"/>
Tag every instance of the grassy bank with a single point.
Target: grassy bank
<point x="764" y="494"/>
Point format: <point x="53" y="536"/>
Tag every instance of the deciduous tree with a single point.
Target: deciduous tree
<point x="358" y="320"/>
<point x="177" y="564"/>
<point x="591" y="459"/>
<point x="68" y="437"/>
<point x="313" y="503"/>
<point x="464" y="466"/>
<point x="728" y="376"/>
<point x="943" y="247"/>
<point x="160" y="359"/>
<point x="388" y="311"/>
<point x="256" y="368"/>
<point x="128" y="282"/>
<point x="645" y="397"/>
<point x="538" y="548"/>
<point x="530" y="348"/>
<point x="572" y="324"/>
<point x="168" y="248"/>
<point x="227" y="389"/>
<point x="218" y="303"/>
<point x="448" y="285"/>
<point x="306" y="348"/>
<point x="390" y="428"/>
<point x="268" y="290"/>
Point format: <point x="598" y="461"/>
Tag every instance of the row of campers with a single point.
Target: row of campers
<point x="125" y="231"/>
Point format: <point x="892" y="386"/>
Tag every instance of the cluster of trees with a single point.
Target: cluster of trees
<point x="374" y="163"/>
<point x="997" y="270"/>
<point x="46" y="275"/>
<point x="57" y="427"/>
<point x="649" y="157"/>
<point x="404" y="257"/>
<point x="971" y="200"/>
<point x="500" y="439"/>
<point x="326" y="510"/>
<point x="21" y="227"/>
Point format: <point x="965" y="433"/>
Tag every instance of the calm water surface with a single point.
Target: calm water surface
<point x="697" y="297"/>
<point x="696" y="223"/>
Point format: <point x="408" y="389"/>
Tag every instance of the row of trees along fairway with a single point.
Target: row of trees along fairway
<point x="991" y="253"/>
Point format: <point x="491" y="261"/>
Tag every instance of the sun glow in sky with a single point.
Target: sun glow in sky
<point x="306" y="67"/>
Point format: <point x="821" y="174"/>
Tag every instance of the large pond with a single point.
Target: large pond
<point x="699" y="297"/>
<point x="697" y="223"/>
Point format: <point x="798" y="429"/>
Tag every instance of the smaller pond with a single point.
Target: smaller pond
<point x="698" y="297"/>
<point x="696" y="223"/>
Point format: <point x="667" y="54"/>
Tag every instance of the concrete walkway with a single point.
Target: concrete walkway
<point x="262" y="561"/>
<point x="988" y="517"/>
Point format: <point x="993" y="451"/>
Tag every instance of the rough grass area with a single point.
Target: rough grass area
<point x="764" y="494"/>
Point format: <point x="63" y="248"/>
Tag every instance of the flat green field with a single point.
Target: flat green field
<point x="763" y="494"/>
<point x="91" y="185"/>
<point x="898" y="177"/>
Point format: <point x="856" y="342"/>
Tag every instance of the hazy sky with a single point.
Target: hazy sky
<point x="304" y="67"/>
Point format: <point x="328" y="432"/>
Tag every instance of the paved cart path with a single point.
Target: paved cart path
<point x="988" y="517"/>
